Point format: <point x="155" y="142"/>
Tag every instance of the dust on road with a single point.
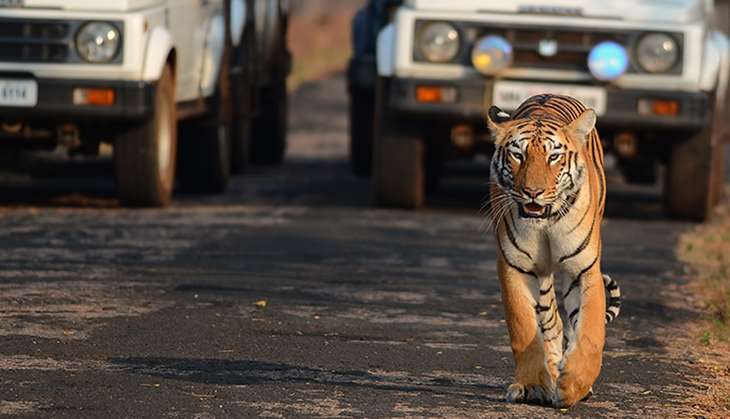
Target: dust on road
<point x="127" y="313"/>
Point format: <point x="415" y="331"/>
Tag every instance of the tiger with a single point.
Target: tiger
<point x="548" y="194"/>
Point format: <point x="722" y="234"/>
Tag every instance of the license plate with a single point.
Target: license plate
<point x="23" y="93"/>
<point x="509" y="95"/>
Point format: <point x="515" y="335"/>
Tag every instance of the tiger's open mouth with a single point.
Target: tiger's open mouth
<point x="533" y="210"/>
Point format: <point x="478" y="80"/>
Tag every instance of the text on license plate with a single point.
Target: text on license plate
<point x="22" y="93"/>
<point x="508" y="95"/>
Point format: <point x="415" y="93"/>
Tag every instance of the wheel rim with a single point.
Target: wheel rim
<point x="164" y="142"/>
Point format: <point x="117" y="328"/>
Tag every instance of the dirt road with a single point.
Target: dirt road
<point x="290" y="297"/>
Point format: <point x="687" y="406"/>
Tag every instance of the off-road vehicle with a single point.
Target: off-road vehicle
<point x="176" y="86"/>
<point x="424" y="72"/>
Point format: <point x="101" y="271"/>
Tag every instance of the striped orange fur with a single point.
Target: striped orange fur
<point x="547" y="194"/>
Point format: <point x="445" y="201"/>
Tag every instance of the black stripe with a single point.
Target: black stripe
<point x="588" y="209"/>
<point x="577" y="280"/>
<point x="598" y="166"/>
<point x="573" y="313"/>
<point x="561" y="112"/>
<point x="544" y="292"/>
<point x="569" y="159"/>
<point x="511" y="236"/>
<point x="614" y="301"/>
<point x="548" y="321"/>
<point x="612" y="286"/>
<point x="544" y="329"/>
<point x="540" y="308"/>
<point x="515" y="267"/>
<point x="583" y="244"/>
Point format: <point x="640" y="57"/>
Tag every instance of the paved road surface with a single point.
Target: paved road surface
<point x="108" y="312"/>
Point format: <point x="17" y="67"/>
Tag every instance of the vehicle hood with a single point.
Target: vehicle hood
<point x="674" y="11"/>
<point x="86" y="5"/>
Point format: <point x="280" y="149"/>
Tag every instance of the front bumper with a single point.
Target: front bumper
<point x="474" y="96"/>
<point x="133" y="100"/>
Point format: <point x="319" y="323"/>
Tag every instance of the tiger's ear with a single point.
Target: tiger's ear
<point x="497" y="121"/>
<point x="582" y="126"/>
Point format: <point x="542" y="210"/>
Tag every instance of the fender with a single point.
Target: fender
<point x="212" y="55"/>
<point x="159" y="45"/>
<point x="721" y="94"/>
<point x="723" y="46"/>
<point x="259" y="21"/>
<point x="270" y="29"/>
<point x="385" y="51"/>
<point x="715" y="64"/>
<point x="237" y="21"/>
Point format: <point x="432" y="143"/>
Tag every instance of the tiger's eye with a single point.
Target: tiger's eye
<point x="554" y="158"/>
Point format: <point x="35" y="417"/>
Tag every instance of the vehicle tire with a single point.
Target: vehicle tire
<point x="361" y="131"/>
<point x="204" y="157"/>
<point x="268" y="144"/>
<point x="243" y="94"/>
<point x="240" y="144"/>
<point x="398" y="160"/>
<point x="435" y="157"/>
<point x="144" y="156"/>
<point x="694" y="175"/>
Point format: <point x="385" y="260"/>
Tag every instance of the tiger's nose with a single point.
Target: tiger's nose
<point x="532" y="193"/>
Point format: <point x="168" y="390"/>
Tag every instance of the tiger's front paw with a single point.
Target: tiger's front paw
<point x="569" y="393"/>
<point x="529" y="393"/>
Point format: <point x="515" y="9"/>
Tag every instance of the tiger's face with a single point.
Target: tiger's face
<point x="537" y="161"/>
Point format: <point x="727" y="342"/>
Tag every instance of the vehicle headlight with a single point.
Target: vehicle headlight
<point x="608" y="60"/>
<point x="438" y="42"/>
<point x="491" y="54"/>
<point x="98" y="42"/>
<point x="657" y="52"/>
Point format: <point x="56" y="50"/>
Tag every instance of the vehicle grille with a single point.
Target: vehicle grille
<point x="573" y="46"/>
<point x="35" y="41"/>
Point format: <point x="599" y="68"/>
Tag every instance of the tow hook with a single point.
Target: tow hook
<point x="68" y="135"/>
<point x="626" y="145"/>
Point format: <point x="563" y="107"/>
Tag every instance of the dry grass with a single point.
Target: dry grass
<point x="319" y="39"/>
<point x="707" y="250"/>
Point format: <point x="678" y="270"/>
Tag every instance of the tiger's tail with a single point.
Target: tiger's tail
<point x="614" y="298"/>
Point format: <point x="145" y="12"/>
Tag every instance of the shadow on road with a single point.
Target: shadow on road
<point x="90" y="184"/>
<point x="249" y="372"/>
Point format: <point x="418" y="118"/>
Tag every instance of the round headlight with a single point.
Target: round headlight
<point x="657" y="52"/>
<point x="491" y="54"/>
<point x="98" y="42"/>
<point x="439" y="42"/>
<point x="608" y="61"/>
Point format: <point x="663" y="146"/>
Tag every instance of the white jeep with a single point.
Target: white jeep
<point x="655" y="71"/>
<point x="138" y="74"/>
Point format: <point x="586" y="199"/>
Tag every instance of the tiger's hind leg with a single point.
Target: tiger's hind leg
<point x="533" y="382"/>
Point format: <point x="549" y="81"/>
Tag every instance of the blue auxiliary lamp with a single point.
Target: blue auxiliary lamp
<point x="608" y="61"/>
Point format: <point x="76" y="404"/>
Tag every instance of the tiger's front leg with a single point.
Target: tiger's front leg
<point x="535" y="330"/>
<point x="585" y="303"/>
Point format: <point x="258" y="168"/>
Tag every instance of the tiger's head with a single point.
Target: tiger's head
<point x="537" y="160"/>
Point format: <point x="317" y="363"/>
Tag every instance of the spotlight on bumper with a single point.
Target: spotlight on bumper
<point x="491" y="55"/>
<point x="608" y="60"/>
